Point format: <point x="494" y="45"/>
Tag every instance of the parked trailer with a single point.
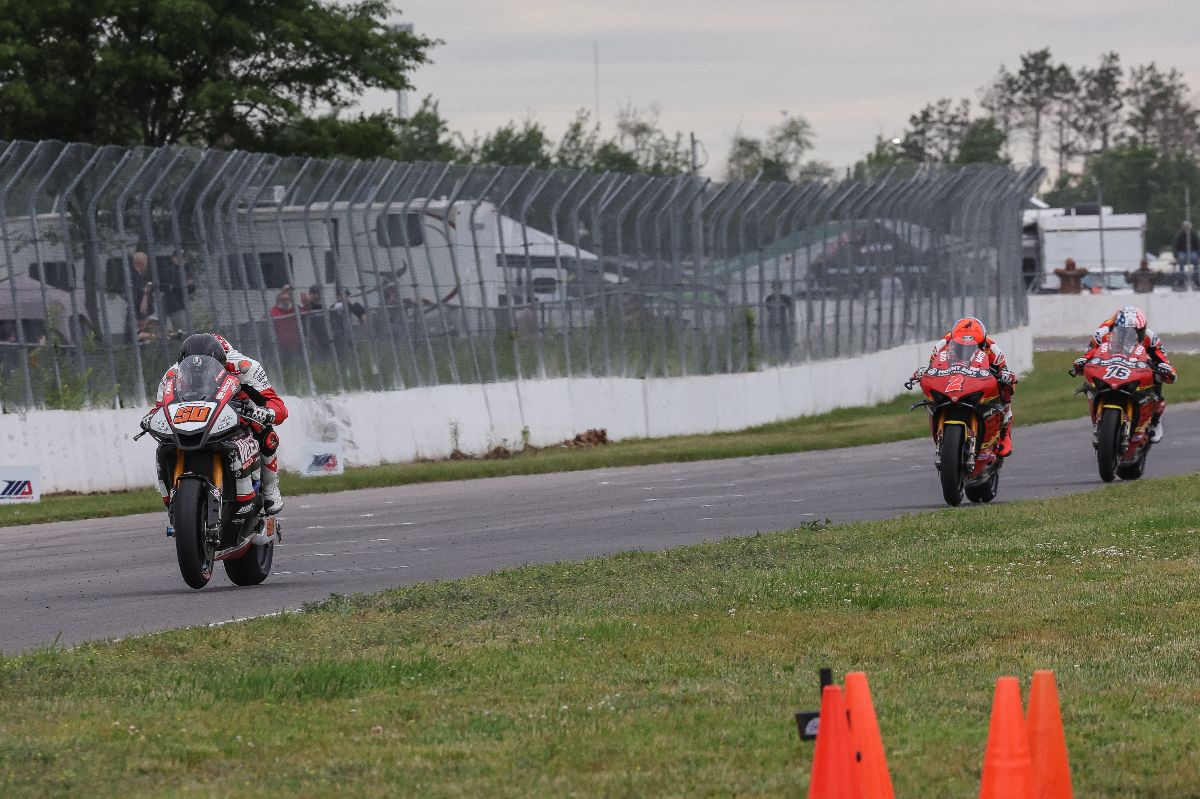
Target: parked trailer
<point x="1098" y="242"/>
<point x="422" y="254"/>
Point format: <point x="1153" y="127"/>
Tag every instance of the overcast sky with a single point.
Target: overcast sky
<point x="853" y="68"/>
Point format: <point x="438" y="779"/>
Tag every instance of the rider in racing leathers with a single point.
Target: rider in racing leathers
<point x="1164" y="372"/>
<point x="970" y="331"/>
<point x="255" y="387"/>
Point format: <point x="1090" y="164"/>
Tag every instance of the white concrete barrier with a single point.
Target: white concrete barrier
<point x="1079" y="314"/>
<point x="89" y="451"/>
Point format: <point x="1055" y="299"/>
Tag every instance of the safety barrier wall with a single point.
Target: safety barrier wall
<point x="91" y="451"/>
<point x="1079" y="314"/>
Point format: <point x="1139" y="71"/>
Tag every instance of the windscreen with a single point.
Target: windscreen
<point x="199" y="379"/>
<point x="962" y="353"/>
<point x="1124" y="340"/>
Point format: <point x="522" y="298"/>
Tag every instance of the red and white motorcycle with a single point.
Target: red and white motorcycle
<point x="211" y="465"/>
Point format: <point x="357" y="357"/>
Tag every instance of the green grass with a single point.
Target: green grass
<point x="1043" y="396"/>
<point x="662" y="674"/>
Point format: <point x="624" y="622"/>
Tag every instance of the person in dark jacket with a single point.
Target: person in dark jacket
<point x="1187" y="253"/>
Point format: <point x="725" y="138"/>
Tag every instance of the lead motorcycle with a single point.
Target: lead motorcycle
<point x="1119" y="381"/>
<point x="962" y="396"/>
<point x="211" y="465"/>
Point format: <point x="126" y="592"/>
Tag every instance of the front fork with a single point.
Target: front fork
<point x="970" y="439"/>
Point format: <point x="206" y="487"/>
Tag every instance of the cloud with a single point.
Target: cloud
<point x="853" y="68"/>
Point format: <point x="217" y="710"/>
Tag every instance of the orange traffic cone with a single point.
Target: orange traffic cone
<point x="833" y="770"/>
<point x="1007" y="767"/>
<point x="1047" y="743"/>
<point x="873" y="777"/>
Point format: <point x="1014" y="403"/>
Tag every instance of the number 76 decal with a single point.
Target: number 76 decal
<point x="1115" y="372"/>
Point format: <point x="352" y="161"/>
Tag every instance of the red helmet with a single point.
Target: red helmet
<point x="968" y="330"/>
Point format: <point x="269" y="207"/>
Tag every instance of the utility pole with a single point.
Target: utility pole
<point x="401" y="95"/>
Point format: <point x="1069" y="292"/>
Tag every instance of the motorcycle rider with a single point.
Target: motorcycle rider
<point x="1132" y="317"/>
<point x="256" y="388"/>
<point x="970" y="331"/>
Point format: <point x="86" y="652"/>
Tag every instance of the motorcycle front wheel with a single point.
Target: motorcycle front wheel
<point x="951" y="453"/>
<point x="1108" y="447"/>
<point x="195" y="558"/>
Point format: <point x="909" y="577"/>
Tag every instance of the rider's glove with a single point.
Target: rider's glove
<point x="1166" y="372"/>
<point x="263" y="416"/>
<point x="1077" y="367"/>
<point x="1007" y="378"/>
<point x="916" y="378"/>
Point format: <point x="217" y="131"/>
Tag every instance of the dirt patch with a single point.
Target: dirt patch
<point x="595" y="437"/>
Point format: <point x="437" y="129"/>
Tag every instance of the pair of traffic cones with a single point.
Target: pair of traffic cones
<point x="1026" y="756"/>
<point x="849" y="762"/>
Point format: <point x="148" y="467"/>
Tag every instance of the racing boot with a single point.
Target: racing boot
<point x="1006" y="440"/>
<point x="1156" y="430"/>
<point x="272" y="499"/>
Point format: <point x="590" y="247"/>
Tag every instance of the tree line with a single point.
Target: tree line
<point x="233" y="74"/>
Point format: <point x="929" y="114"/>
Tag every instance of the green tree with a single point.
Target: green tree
<point x="1033" y="92"/>
<point x="654" y="151"/>
<point x="208" y="72"/>
<point x="778" y="157"/>
<point x="1161" y="114"/>
<point x="1100" y="103"/>
<point x="510" y="144"/>
<point x="329" y="136"/>
<point x="982" y="143"/>
<point x="426" y="136"/>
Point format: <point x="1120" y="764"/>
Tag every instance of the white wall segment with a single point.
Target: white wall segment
<point x="1079" y="314"/>
<point x="91" y="451"/>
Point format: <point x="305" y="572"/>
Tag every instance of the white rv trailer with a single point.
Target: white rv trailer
<point x="419" y="254"/>
<point x="1098" y="242"/>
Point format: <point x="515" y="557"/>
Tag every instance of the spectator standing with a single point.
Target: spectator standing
<point x="781" y="310"/>
<point x="345" y="304"/>
<point x="283" y="315"/>
<point x="1142" y="279"/>
<point x="1187" y="253"/>
<point x="142" y="288"/>
<point x="312" y="301"/>
<point x="177" y="286"/>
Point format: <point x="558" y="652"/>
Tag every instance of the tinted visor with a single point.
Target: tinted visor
<point x="199" y="379"/>
<point x="962" y="353"/>
<point x="1124" y="339"/>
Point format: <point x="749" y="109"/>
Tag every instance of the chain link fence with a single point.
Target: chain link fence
<point x="364" y="276"/>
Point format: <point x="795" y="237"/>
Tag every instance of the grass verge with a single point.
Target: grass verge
<point x="1043" y="396"/>
<point x="658" y="674"/>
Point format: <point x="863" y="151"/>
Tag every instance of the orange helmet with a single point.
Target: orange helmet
<point x="968" y="330"/>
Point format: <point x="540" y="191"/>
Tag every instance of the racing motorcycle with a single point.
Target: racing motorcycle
<point x="211" y="465"/>
<point x="966" y="415"/>
<point x="1119" y="381"/>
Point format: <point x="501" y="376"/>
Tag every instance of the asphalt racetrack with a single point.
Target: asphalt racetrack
<point x="106" y="578"/>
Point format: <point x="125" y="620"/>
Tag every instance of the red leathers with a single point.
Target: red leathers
<point x="970" y="331"/>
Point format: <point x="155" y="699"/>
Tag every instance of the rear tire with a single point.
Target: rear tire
<point x="986" y="492"/>
<point x="1108" y="450"/>
<point x="950" y="452"/>
<point x="253" y="567"/>
<point x="1132" y="471"/>
<point x="195" y="559"/>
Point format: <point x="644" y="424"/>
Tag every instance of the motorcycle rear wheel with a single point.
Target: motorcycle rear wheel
<point x="195" y="559"/>
<point x="1108" y="449"/>
<point x="253" y="567"/>
<point x="987" y="491"/>
<point x="950" y="451"/>
<point x="1132" y="471"/>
